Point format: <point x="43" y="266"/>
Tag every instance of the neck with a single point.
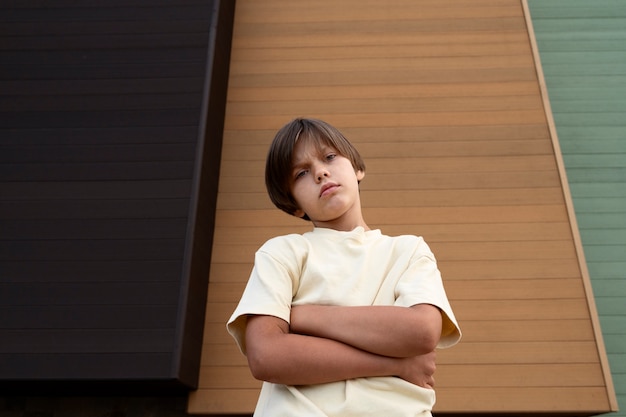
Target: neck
<point x="342" y="226"/>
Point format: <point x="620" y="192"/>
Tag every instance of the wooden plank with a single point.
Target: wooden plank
<point x="432" y="232"/>
<point x="432" y="181"/>
<point x="447" y="251"/>
<point x="494" y="352"/>
<point x="317" y="33"/>
<point x="217" y="314"/>
<point x="285" y="223"/>
<point x="370" y="10"/>
<point x="546" y="399"/>
<point x="487" y="331"/>
<point x="519" y="352"/>
<point x="421" y="150"/>
<point x="486" y="164"/>
<point x="280" y="94"/>
<point x="522" y="330"/>
<point x="408" y="134"/>
<point x="228" y="354"/>
<point x="253" y="40"/>
<point x="374" y="77"/>
<point x="493" y="48"/>
<point x="508" y="269"/>
<point x="518" y="309"/>
<point x="228" y="377"/>
<point x="364" y="105"/>
<point x="423" y="198"/>
<point x="465" y="118"/>
<point x="523" y="375"/>
<point x="532" y="290"/>
<point x="357" y="65"/>
<point x="227" y="401"/>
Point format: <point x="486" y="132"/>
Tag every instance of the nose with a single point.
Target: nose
<point x="321" y="172"/>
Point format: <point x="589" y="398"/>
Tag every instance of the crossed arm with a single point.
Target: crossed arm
<point x="334" y="343"/>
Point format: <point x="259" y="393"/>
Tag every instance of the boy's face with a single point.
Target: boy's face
<point x="325" y="186"/>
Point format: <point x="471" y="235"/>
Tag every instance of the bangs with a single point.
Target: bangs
<point x="320" y="134"/>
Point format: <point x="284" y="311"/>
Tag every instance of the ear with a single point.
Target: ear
<point x="360" y="175"/>
<point x="299" y="213"/>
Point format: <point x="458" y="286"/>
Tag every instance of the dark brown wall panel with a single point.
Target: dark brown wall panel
<point x="108" y="155"/>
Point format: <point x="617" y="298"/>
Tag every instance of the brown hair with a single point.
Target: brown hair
<point x="279" y="163"/>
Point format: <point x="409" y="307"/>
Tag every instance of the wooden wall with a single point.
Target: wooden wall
<point x="582" y="55"/>
<point x="443" y="100"/>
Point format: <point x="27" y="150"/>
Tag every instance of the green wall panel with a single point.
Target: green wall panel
<point x="582" y="46"/>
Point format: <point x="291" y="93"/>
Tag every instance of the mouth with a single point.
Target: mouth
<point x="328" y="188"/>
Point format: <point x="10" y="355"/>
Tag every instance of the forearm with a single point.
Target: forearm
<point x="383" y="330"/>
<point x="277" y="356"/>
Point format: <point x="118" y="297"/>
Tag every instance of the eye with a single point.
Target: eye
<point x="300" y="174"/>
<point x="331" y="156"/>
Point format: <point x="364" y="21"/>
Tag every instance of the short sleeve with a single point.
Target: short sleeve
<point x="421" y="283"/>
<point x="269" y="290"/>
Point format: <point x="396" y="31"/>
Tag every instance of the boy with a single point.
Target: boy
<point x="342" y="320"/>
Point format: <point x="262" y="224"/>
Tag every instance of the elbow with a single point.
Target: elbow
<point x="259" y="366"/>
<point x="428" y="342"/>
<point x="419" y="344"/>
<point x="264" y="365"/>
<point x="427" y="331"/>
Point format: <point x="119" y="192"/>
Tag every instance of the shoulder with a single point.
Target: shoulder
<point x="411" y="244"/>
<point x="280" y="243"/>
<point x="285" y="248"/>
<point x="407" y="241"/>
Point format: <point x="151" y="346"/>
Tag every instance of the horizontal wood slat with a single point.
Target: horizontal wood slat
<point x="413" y="134"/>
<point x="492" y="352"/>
<point x="469" y="398"/>
<point x="508" y="269"/>
<point x="424" y="198"/>
<point x="545" y="399"/>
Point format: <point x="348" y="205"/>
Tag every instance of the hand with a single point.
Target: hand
<point x="419" y="370"/>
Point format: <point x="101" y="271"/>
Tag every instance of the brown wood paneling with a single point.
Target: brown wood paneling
<point x="443" y="100"/>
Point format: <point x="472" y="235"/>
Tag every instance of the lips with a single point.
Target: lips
<point x="326" y="188"/>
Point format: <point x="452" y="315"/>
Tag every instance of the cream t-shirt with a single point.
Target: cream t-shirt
<point x="354" y="268"/>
